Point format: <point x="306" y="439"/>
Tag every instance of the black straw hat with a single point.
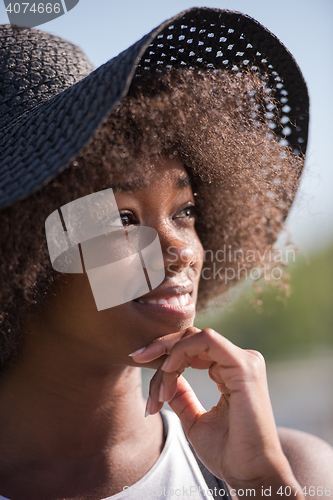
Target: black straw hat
<point x="52" y="102"/>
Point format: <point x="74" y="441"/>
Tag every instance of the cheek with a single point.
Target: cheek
<point x="71" y="305"/>
<point x="199" y="251"/>
<point x="199" y="257"/>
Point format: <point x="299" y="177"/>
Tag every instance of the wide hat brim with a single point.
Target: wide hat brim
<point x="37" y="145"/>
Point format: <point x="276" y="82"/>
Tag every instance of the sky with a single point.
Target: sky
<point x="103" y="28"/>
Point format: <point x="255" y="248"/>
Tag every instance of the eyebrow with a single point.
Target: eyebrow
<point x="130" y="185"/>
<point x="180" y="183"/>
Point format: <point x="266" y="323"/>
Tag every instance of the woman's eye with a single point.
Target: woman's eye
<point x="120" y="220"/>
<point x="185" y="213"/>
<point x="128" y="219"/>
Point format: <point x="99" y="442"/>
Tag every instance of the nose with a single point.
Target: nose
<point x="178" y="257"/>
<point x="178" y="254"/>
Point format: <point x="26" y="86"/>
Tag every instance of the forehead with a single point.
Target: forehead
<point x="161" y="172"/>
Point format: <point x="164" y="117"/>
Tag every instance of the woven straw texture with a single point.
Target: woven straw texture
<point x="52" y="102"/>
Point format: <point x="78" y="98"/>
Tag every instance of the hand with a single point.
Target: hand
<point x="237" y="439"/>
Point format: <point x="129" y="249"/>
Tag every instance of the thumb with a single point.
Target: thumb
<point x="186" y="404"/>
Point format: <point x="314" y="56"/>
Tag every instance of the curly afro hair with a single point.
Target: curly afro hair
<point x="244" y="180"/>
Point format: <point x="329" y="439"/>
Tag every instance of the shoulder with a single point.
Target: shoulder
<point x="310" y="457"/>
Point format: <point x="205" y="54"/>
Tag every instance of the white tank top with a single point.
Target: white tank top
<point x="175" y="474"/>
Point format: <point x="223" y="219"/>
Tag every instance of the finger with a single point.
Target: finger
<point x="168" y="386"/>
<point x="162" y="388"/>
<point x="153" y="403"/>
<point x="161" y="346"/>
<point x="200" y="364"/>
<point x="169" y="379"/>
<point x="216" y="348"/>
<point x="186" y="404"/>
<point x="215" y="372"/>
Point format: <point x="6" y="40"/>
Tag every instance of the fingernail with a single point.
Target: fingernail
<point x="165" y="363"/>
<point x="148" y="407"/>
<point x="139" y="351"/>
<point x="161" y="393"/>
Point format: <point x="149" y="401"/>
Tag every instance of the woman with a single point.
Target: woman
<point x="191" y="153"/>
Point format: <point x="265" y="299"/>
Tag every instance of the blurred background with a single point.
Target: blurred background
<point x="294" y="333"/>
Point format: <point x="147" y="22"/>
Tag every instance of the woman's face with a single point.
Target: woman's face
<point x="165" y="203"/>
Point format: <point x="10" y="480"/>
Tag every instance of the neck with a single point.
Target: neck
<point x="60" y="405"/>
<point x="64" y="414"/>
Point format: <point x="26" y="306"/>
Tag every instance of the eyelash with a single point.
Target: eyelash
<point x="191" y="214"/>
<point x="133" y="220"/>
<point x="130" y="215"/>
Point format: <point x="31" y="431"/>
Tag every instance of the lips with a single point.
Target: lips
<point x="168" y="301"/>
<point x="176" y="300"/>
